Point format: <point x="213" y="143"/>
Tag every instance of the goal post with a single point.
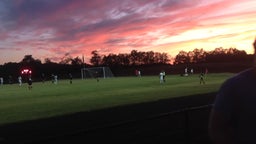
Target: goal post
<point x="94" y="72"/>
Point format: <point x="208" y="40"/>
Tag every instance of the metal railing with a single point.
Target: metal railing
<point x="186" y="130"/>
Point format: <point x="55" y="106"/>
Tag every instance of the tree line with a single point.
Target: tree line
<point x="131" y="59"/>
<point x="68" y="64"/>
<point x="135" y="58"/>
<point x="218" y="55"/>
<point x="125" y="63"/>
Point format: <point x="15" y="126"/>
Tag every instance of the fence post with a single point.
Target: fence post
<point x="187" y="130"/>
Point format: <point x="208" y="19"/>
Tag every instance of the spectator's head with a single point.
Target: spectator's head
<point x="254" y="45"/>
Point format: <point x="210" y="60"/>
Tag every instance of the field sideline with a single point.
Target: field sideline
<point x="47" y="99"/>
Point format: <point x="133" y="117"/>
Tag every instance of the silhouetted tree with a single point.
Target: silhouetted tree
<point x="217" y="55"/>
<point x="182" y="58"/>
<point x="96" y="58"/>
<point x="134" y="57"/>
<point x="107" y="60"/>
<point x="47" y="60"/>
<point x="149" y="58"/>
<point x="28" y="59"/>
<point x="76" y="61"/>
<point x="198" y="55"/>
<point x="123" y="59"/>
<point x="66" y="59"/>
<point x="164" y="59"/>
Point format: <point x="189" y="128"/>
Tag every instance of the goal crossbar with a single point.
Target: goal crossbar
<point x="93" y="72"/>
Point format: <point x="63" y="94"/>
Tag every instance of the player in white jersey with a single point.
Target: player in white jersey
<point x="161" y="77"/>
<point x="20" y="80"/>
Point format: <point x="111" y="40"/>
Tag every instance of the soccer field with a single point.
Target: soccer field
<point x="17" y="103"/>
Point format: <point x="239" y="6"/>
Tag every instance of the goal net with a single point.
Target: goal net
<point x="94" y="72"/>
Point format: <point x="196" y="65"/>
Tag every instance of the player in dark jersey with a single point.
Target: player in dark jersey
<point x="70" y="78"/>
<point x="29" y="83"/>
<point x="201" y="76"/>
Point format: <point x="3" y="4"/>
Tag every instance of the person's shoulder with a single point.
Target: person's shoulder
<point x="248" y="73"/>
<point x="241" y="77"/>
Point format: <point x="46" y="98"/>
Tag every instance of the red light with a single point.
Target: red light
<point x="26" y="71"/>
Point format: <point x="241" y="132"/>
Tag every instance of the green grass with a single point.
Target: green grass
<point x="47" y="100"/>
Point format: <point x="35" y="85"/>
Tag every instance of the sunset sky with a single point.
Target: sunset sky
<point x="52" y="28"/>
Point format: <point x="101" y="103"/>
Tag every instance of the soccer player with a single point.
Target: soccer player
<point x="10" y="79"/>
<point x="136" y="72"/>
<point x="201" y="76"/>
<point x="29" y="83"/>
<point x="139" y="73"/>
<point x="43" y="77"/>
<point x="1" y="81"/>
<point x="206" y="71"/>
<point x="97" y="76"/>
<point x="55" y="79"/>
<point x="20" y="80"/>
<point x="192" y="71"/>
<point x="52" y="76"/>
<point x="186" y="72"/>
<point x="70" y="78"/>
<point x="161" y="77"/>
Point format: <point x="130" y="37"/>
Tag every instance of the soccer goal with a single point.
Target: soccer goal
<point x="96" y="72"/>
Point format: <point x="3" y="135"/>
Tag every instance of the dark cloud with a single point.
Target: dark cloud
<point x="115" y="41"/>
<point x="31" y="9"/>
<point x="55" y="27"/>
<point x="60" y="15"/>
